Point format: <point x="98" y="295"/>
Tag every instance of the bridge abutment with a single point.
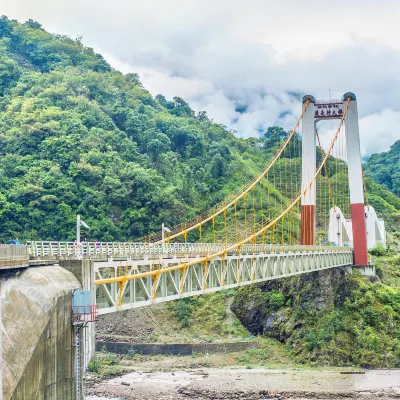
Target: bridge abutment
<point x="39" y="340"/>
<point x="37" y="343"/>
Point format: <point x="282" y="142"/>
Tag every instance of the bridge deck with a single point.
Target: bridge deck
<point x="138" y="251"/>
<point x="154" y="273"/>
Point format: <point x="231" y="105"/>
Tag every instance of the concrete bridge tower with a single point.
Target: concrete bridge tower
<point x="333" y="109"/>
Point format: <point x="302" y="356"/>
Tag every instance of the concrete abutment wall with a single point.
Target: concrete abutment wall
<point x="38" y="339"/>
<point x="37" y="345"/>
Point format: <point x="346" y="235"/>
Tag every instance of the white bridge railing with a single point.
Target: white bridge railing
<point x="137" y="250"/>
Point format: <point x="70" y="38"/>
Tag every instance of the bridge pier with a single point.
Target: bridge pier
<point x="365" y="270"/>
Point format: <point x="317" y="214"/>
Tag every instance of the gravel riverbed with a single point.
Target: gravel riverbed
<point x="248" y="384"/>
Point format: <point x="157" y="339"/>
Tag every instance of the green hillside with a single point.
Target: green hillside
<point x="384" y="168"/>
<point x="77" y="136"/>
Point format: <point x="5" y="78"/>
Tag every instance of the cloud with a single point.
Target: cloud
<point x="378" y="130"/>
<point x="247" y="63"/>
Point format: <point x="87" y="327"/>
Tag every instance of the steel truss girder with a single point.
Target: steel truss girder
<point x="204" y="277"/>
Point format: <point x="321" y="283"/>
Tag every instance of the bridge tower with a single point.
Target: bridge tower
<point x="333" y="109"/>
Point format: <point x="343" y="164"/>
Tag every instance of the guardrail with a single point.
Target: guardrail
<point x="97" y="249"/>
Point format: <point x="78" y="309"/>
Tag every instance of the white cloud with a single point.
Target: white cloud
<point x="378" y="130"/>
<point x="221" y="55"/>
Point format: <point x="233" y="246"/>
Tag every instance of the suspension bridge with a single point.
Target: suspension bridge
<point x="304" y="212"/>
<point x="307" y="210"/>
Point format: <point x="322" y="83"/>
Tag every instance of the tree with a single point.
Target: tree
<point x="274" y="135"/>
<point x="181" y="108"/>
<point x="134" y="79"/>
<point x="33" y="24"/>
<point x="217" y="166"/>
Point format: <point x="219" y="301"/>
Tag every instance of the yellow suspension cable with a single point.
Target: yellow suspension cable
<point x="254" y="211"/>
<point x="236" y="223"/>
<point x="245" y="211"/>
<point x="327" y="174"/>
<point x="213" y="229"/>
<point x="226" y="232"/>
<point x="261" y="202"/>
<point x="365" y="190"/>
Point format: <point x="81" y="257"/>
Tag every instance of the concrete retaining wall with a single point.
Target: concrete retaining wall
<point x="37" y="335"/>
<point x="13" y="256"/>
<point x="174" y="349"/>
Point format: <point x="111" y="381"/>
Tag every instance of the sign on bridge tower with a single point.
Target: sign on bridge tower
<point x="317" y="111"/>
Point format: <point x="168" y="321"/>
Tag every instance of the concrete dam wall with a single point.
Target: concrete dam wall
<point x="37" y="343"/>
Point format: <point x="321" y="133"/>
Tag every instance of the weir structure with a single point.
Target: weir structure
<point x="318" y="111"/>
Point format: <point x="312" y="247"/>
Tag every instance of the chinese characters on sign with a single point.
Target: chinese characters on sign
<point x="328" y="110"/>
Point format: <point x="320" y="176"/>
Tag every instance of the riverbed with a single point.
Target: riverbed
<point x="249" y="384"/>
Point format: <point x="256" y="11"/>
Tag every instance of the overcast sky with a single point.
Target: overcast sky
<point x="245" y="62"/>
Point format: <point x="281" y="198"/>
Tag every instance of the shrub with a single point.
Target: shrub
<point x="94" y="366"/>
<point x="276" y="299"/>
<point x="378" y="251"/>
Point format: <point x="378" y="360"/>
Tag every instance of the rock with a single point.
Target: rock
<point x="263" y="314"/>
<point x="269" y="323"/>
<point x="124" y="383"/>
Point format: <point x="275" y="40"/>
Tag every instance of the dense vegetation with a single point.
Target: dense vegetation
<point x="384" y="168"/>
<point x="77" y="136"/>
<point x="329" y="318"/>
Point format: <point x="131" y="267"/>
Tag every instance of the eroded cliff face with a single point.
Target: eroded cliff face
<point x="266" y="309"/>
<point x="330" y="317"/>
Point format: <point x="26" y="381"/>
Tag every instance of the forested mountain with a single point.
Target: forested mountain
<point x="384" y="168"/>
<point x="77" y="136"/>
